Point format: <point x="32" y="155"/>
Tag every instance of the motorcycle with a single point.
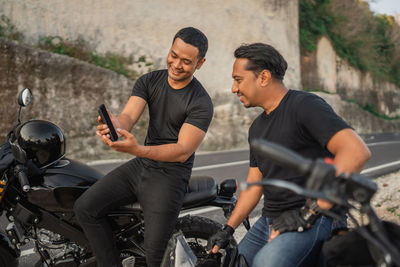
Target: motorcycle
<point x="374" y="244"/>
<point x="38" y="189"/>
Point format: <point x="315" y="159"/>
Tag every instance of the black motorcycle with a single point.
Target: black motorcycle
<point x="376" y="243"/>
<point x="38" y="189"/>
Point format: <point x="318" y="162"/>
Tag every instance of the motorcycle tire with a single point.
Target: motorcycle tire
<point x="197" y="230"/>
<point x="7" y="259"/>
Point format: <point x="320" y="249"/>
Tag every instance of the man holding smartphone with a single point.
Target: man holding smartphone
<point x="180" y="112"/>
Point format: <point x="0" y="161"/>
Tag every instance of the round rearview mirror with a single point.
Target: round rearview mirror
<point x="25" y="97"/>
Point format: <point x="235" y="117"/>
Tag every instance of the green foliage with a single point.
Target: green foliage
<point x="81" y="50"/>
<point x="8" y="30"/>
<point x="367" y="41"/>
<point x="313" y="21"/>
<point x="371" y="109"/>
<point x="114" y="62"/>
<point x="56" y="44"/>
<point x="368" y="107"/>
<point x="78" y="49"/>
<point x="392" y="209"/>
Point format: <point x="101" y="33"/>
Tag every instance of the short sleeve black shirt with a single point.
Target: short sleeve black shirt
<point x="302" y="122"/>
<point x="169" y="109"/>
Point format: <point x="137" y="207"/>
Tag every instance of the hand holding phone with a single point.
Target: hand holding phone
<point x="105" y="118"/>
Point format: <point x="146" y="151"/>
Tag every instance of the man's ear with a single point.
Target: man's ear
<point x="265" y="77"/>
<point x="200" y="63"/>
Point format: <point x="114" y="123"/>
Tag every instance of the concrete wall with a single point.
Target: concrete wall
<point x="146" y="28"/>
<point x="363" y="122"/>
<point x="324" y="70"/>
<point x="67" y="92"/>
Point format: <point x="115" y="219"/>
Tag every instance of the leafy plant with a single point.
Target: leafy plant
<point x="78" y="49"/>
<point x="371" y="109"/>
<point x="392" y="209"/>
<point x="114" y="62"/>
<point x="81" y="50"/>
<point x="367" y="41"/>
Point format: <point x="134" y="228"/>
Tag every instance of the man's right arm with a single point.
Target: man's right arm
<point x="131" y="112"/>
<point x="248" y="198"/>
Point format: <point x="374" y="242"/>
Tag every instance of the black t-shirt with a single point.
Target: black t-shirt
<point x="169" y="109"/>
<point x="302" y="122"/>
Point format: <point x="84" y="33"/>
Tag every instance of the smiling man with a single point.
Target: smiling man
<point x="302" y="122"/>
<point x="180" y="112"/>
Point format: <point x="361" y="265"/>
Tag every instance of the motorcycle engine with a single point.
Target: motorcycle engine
<point x="54" y="248"/>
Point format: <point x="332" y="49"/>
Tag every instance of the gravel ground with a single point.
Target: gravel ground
<point x="386" y="201"/>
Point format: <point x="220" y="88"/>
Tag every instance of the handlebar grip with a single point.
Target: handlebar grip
<point x="282" y="156"/>
<point x="23" y="178"/>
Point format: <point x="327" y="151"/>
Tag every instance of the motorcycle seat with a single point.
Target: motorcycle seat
<point x="200" y="189"/>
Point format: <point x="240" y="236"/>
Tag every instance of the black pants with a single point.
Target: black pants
<point x="160" y="194"/>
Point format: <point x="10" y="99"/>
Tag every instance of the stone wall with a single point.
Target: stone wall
<point x="324" y="70"/>
<point x="362" y="121"/>
<point x="67" y="92"/>
<point x="146" y="28"/>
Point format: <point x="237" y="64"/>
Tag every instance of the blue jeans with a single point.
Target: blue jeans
<point x="288" y="249"/>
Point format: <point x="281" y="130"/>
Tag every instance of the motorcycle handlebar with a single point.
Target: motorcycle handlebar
<point x="287" y="185"/>
<point x="336" y="190"/>
<point x="22" y="178"/>
<point x="282" y="156"/>
<point x="321" y="179"/>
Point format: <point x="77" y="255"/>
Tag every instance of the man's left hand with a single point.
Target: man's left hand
<point x="128" y="144"/>
<point x="288" y="221"/>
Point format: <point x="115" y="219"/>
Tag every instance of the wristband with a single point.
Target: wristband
<point x="310" y="212"/>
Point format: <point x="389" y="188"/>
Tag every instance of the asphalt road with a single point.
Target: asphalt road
<point x="234" y="164"/>
<point x="385" y="149"/>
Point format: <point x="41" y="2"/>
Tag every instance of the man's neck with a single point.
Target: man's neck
<point x="179" y="84"/>
<point x="274" y="98"/>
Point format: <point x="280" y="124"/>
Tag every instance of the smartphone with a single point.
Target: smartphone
<point x="106" y="120"/>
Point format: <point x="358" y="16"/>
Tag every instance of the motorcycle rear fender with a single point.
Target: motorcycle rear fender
<point x="221" y="201"/>
<point x="227" y="204"/>
<point x="6" y="243"/>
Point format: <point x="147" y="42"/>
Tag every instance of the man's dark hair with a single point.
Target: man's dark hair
<point x="193" y="37"/>
<point x="262" y="57"/>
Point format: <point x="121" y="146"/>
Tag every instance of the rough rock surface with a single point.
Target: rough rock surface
<point x="324" y="70"/>
<point x="386" y="202"/>
<point x="67" y="92"/>
<point x="146" y="28"/>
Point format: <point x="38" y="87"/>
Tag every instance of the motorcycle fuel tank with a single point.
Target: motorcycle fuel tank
<point x="62" y="184"/>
